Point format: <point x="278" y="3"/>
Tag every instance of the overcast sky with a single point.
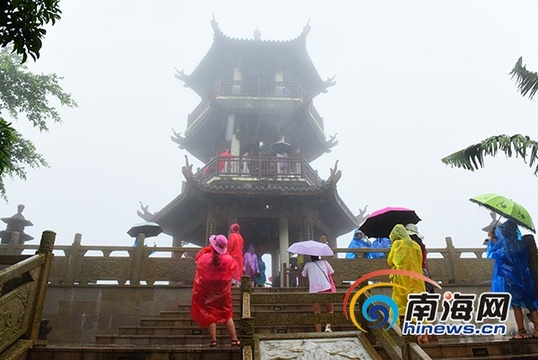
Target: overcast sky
<point x="415" y="81"/>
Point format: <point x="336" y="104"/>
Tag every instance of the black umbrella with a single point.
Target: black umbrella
<point x="281" y="147"/>
<point x="381" y="222"/>
<point x="149" y="229"/>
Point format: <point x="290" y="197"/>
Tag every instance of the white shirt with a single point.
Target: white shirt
<point x="316" y="272"/>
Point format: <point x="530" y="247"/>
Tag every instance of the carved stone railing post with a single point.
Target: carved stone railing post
<point x="45" y="249"/>
<point x="453" y="261"/>
<point x="247" y="321"/>
<point x="74" y="260"/>
<point x="138" y="258"/>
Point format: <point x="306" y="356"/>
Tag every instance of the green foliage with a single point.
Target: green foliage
<point x="472" y="157"/>
<point x="22" y="22"/>
<point x="28" y="94"/>
<point x="527" y="81"/>
<point x="22" y="92"/>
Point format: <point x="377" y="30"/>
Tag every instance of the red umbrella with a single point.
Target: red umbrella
<point x="381" y="222"/>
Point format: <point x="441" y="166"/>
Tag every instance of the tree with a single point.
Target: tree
<point x="28" y="94"/>
<point x="22" y="22"/>
<point x="472" y="157"/>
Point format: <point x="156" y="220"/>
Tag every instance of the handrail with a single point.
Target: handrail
<point x="259" y="167"/>
<point x="272" y="89"/>
<point x="79" y="264"/>
<point x="23" y="285"/>
<point x="251" y="89"/>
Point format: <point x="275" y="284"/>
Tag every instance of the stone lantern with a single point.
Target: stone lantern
<point x="16" y="223"/>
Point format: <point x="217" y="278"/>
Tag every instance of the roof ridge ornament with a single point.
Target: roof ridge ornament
<point x="306" y="28"/>
<point x="257" y="34"/>
<point x="214" y="23"/>
<point x="187" y="170"/>
<point x="178" y="139"/>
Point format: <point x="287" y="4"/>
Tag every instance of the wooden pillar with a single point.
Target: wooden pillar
<point x="211" y="226"/>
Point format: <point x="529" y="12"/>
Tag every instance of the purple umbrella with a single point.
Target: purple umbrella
<point x="311" y="247"/>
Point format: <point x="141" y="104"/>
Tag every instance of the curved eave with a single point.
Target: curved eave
<point x="224" y="49"/>
<point x="169" y="217"/>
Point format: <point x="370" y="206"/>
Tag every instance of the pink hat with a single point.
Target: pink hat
<point x="219" y="243"/>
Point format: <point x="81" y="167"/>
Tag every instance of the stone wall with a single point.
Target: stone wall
<point x="77" y="313"/>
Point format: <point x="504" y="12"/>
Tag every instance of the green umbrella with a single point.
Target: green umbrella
<point x="505" y="207"/>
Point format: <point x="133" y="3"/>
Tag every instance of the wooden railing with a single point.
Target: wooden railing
<point x="260" y="167"/>
<point x="271" y="89"/>
<point x="23" y="284"/>
<point x="265" y="90"/>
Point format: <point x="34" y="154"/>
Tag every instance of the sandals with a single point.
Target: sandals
<point x="213" y="344"/>
<point x="423" y="339"/>
<point x="236" y="342"/>
<point x="522" y="335"/>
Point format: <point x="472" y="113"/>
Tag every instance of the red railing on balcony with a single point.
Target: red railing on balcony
<point x="259" y="167"/>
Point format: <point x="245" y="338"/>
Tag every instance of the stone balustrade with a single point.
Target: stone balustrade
<point x="79" y="264"/>
<point x="23" y="285"/>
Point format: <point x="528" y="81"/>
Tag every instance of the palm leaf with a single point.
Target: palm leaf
<point x="527" y="81"/>
<point x="472" y="157"/>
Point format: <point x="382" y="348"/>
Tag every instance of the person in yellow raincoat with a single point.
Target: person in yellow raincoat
<point x="405" y="254"/>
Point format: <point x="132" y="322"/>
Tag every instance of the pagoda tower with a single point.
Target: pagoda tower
<point x="256" y="130"/>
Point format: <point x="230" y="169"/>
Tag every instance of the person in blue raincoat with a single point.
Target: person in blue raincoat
<point x="511" y="274"/>
<point x="358" y="241"/>
<point x="379" y="243"/>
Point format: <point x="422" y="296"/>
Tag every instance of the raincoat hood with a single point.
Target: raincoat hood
<point x="508" y="230"/>
<point x="234" y="228"/>
<point x="400" y="233"/>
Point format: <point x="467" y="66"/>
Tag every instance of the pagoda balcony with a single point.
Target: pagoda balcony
<point x="271" y="95"/>
<point x="259" y="168"/>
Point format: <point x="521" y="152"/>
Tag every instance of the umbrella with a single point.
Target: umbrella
<point x="149" y="229"/>
<point x="311" y="247"/>
<point x="505" y="207"/>
<point x="281" y="147"/>
<point x="381" y="222"/>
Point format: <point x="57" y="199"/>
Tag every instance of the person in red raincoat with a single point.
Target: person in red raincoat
<point x="211" y="292"/>
<point x="235" y="249"/>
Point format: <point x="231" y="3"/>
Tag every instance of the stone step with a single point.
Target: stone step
<point x="473" y="347"/>
<point x="96" y="352"/>
<point x="160" y="340"/>
<point x="221" y="330"/>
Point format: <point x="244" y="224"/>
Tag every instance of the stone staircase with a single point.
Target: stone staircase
<point x="176" y="328"/>
<point x="173" y="335"/>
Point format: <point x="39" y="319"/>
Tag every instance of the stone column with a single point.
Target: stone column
<point x="283" y="244"/>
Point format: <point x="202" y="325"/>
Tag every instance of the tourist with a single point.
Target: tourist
<point x="412" y="230"/>
<point x="250" y="263"/>
<point x="211" y="292"/>
<point x="235" y="249"/>
<point x="379" y="243"/>
<point x="224" y="164"/>
<point x="319" y="273"/>
<point x="358" y="241"/>
<point x="405" y="254"/>
<point x="511" y="274"/>
<point x="260" y="278"/>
